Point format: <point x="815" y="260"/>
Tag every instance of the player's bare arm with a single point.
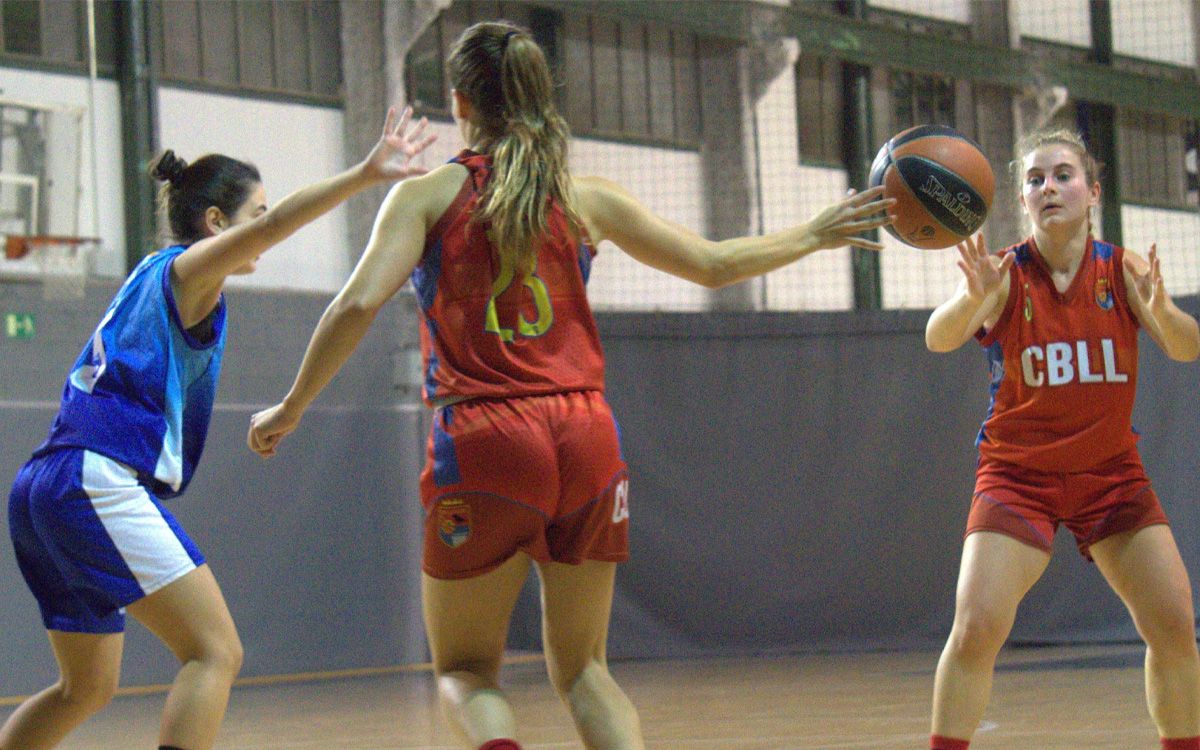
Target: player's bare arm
<point x="978" y="301"/>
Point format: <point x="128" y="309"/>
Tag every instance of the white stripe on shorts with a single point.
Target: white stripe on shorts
<point x="134" y="524"/>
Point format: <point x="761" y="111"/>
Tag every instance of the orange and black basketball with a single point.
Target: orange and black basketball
<point x="942" y="183"/>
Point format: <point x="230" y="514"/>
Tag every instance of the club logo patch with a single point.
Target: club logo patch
<point x="453" y="522"/>
<point x="1028" y="304"/>
<point x="1104" y="296"/>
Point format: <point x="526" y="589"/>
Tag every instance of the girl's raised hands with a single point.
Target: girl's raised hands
<point x="983" y="274"/>
<point x="1148" y="280"/>
<point x="392" y="157"/>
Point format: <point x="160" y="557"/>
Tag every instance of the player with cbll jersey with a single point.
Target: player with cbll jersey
<point x="1058" y="315"/>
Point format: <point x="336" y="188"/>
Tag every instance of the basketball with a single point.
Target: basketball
<point x="942" y="183"/>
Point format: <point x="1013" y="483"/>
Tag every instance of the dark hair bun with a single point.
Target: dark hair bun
<point x="168" y="167"/>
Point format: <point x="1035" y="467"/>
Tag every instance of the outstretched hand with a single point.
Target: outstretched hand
<point x="839" y="224"/>
<point x="1148" y="280"/>
<point x="268" y="427"/>
<point x="392" y="157"/>
<point x="982" y="273"/>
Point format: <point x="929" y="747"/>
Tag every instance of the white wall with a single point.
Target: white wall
<point x="913" y="278"/>
<point x="1154" y="29"/>
<point x="958" y="11"/>
<point x="1175" y="233"/>
<point x="295" y="144"/>
<point x="103" y="214"/>
<point x="791" y="194"/>
<point x="1065" y="21"/>
<point x="669" y="183"/>
<point x="292" y="145"/>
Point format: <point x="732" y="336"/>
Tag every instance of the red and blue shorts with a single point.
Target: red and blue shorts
<point x="1095" y="504"/>
<point x="542" y="475"/>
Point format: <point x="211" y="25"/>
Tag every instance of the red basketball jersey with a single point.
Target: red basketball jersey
<point x="1063" y="365"/>
<point x="487" y="333"/>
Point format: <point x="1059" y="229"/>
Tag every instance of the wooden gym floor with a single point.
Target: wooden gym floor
<point x="1043" y="699"/>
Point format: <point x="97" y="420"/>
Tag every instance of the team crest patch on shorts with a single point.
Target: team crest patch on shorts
<point x="1104" y="297"/>
<point x="454" y="522"/>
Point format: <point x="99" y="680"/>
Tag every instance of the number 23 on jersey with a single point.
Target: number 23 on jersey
<point x="541" y="301"/>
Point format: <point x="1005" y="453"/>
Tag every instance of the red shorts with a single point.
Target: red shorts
<point x="539" y="474"/>
<point x="1029" y="505"/>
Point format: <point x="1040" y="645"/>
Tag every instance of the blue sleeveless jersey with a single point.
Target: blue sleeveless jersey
<point x="142" y="390"/>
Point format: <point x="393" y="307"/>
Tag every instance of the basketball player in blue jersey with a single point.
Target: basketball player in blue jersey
<point x="92" y="537"/>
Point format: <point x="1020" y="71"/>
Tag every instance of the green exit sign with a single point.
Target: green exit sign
<point x="19" y="325"/>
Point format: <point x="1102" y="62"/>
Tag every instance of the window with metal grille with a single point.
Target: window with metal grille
<point x="54" y="33"/>
<point x="618" y="79"/>
<point x="819" y="111"/>
<point x="290" y="48"/>
<point x="1154" y="152"/>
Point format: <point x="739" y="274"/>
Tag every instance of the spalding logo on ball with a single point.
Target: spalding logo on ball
<point x="942" y="183"/>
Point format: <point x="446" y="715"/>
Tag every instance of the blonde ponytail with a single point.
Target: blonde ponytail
<point x="502" y="71"/>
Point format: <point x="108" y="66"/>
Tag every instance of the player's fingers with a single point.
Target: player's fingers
<point x="427" y="140"/>
<point x="875" y="207"/>
<point x="388" y="121"/>
<point x="418" y="128"/>
<point x="964" y="252"/>
<point x="869" y="195"/>
<point x="873" y="222"/>
<point x="266" y="445"/>
<point x="1007" y="261"/>
<point x="405" y="118"/>
<point x="865" y="243"/>
<point x="1131" y="267"/>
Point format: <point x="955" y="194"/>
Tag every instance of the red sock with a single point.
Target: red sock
<point x="500" y="745"/>
<point x="1181" y="743"/>
<point x="938" y="742"/>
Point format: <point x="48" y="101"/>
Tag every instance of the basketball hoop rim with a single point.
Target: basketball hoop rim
<point x="17" y="246"/>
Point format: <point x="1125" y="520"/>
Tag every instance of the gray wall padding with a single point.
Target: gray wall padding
<point x="802" y="482"/>
<point x="799" y="482"/>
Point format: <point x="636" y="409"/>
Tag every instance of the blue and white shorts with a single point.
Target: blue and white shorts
<point x="90" y="540"/>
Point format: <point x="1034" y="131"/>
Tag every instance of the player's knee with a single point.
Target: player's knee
<point x="1170" y="630"/>
<point x="223" y="655"/>
<point x="567" y="675"/>
<point x="88" y="694"/>
<point x="978" y="634"/>
<point x="474" y="670"/>
<point x="230" y="655"/>
<point x="583" y="685"/>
